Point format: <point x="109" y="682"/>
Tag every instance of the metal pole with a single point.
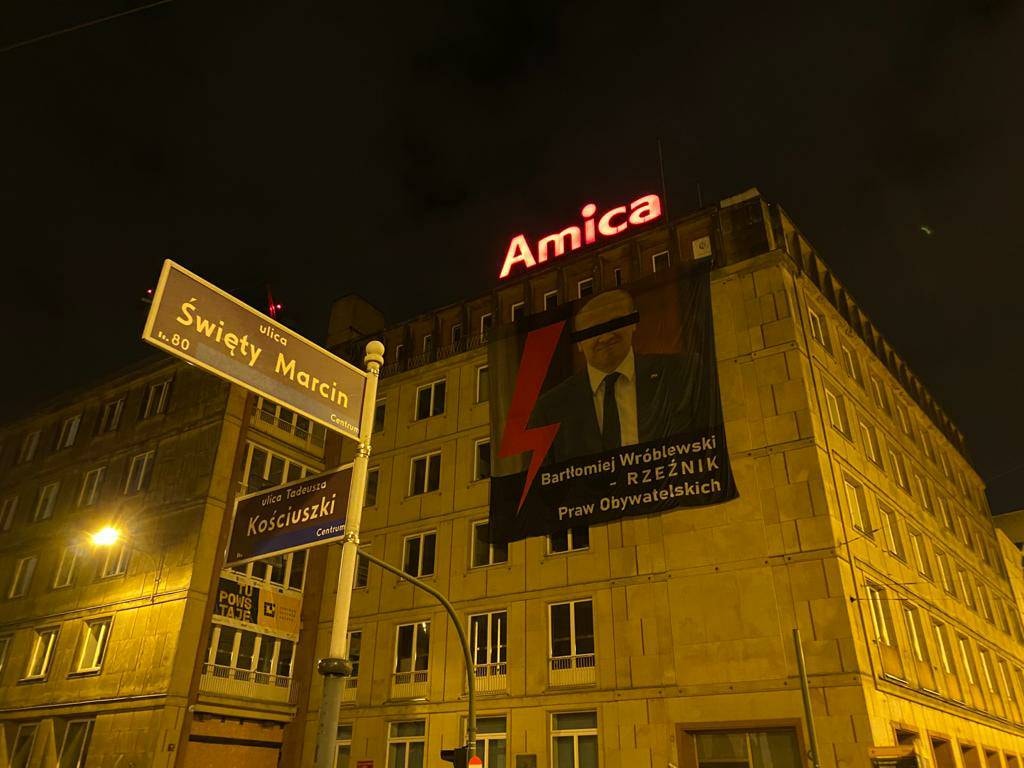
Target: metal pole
<point x="470" y="680"/>
<point x="336" y="665"/>
<point x="806" y="690"/>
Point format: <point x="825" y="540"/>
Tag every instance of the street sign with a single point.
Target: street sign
<point x="203" y="325"/>
<point x="287" y="517"/>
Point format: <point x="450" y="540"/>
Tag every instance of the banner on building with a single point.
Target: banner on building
<point x="287" y="517"/>
<point x="607" y="407"/>
<point x="259" y="606"/>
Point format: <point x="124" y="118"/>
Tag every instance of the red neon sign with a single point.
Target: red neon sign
<point x="613" y="222"/>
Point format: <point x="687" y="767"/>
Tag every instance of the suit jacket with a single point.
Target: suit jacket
<point x="671" y="398"/>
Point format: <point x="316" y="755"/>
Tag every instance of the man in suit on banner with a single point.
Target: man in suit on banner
<point x="622" y="397"/>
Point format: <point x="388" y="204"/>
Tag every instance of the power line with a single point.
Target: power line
<point x="83" y="25"/>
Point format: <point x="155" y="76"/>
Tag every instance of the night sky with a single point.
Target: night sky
<point x="328" y="148"/>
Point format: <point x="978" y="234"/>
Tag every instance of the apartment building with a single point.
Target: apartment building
<point x="667" y="639"/>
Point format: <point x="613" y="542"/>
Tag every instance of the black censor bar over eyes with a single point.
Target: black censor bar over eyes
<point x="606" y="327"/>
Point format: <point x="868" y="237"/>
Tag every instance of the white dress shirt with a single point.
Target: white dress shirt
<point x="625" y="397"/>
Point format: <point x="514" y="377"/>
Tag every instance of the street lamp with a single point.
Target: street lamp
<point x="108" y="536"/>
<point x="105" y="536"/>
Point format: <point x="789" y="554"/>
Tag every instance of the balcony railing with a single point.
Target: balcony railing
<point x="244" y="683"/>
<point x="434" y="354"/>
<point x="411" y="685"/>
<point x="348" y="688"/>
<point x="490" y="678"/>
<point x="308" y="437"/>
<point x="572" y="670"/>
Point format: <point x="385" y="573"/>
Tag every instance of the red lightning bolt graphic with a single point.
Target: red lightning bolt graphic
<point x="533" y="368"/>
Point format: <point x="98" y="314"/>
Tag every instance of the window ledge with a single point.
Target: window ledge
<point x="85" y="673"/>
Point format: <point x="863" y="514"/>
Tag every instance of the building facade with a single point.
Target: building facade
<point x="668" y="639"/>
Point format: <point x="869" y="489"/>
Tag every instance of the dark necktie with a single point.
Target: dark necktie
<point x="611" y="434"/>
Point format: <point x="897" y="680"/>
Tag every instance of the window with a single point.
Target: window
<point x="837" y="411"/>
<point x="68" y="432"/>
<point x="94" y="645"/>
<point x="428" y="343"/>
<point x="91" y="484"/>
<point x="288" y="570"/>
<point x="942" y="643"/>
<point x="879" y="394"/>
<point x="430" y="400"/>
<point x="412" y="653"/>
<point x="945" y="574"/>
<point x="44" y="502"/>
<point x="115" y="561"/>
<point x="42" y="653"/>
<point x="29" y="443"/>
<point x="488" y="639"/>
<point x="967" y="659"/>
<point x="585" y="288"/>
<point x="482" y="460"/>
<point x="110" y="416"/>
<point x="880" y="619"/>
<point x="746" y="749"/>
<point x="492" y="741"/>
<point x="851" y="364"/>
<point x="65" y="574"/>
<point x="966" y="589"/>
<point x="23" y="743"/>
<point x="988" y="672"/>
<point x="518" y="310"/>
<point x="265" y="469"/>
<point x="550" y="300"/>
<point x="289" y="421"/>
<point x="7" y="509"/>
<point x="248" y="656"/>
<point x="819" y="330"/>
<point x="904" y="420"/>
<point x="483" y="385"/>
<point x="947" y="516"/>
<point x="659" y="261"/>
<point x="572" y="632"/>
<point x="486" y="323"/>
<point x="406" y="744"/>
<point x="355" y="649"/>
<point x="484" y="552"/>
<point x="574" y="740"/>
<point x="343" y="746"/>
<point x="871" y="447"/>
<point x="922" y="492"/>
<point x="456" y="333"/>
<point x="139" y="472"/>
<point x="965" y="531"/>
<point x="920" y="554"/>
<point x="5" y="645"/>
<point x="155" y="401"/>
<point x="399" y="352"/>
<point x="915" y="632"/>
<point x="23" y="569"/>
<point x="944" y="462"/>
<point x="857" y="500"/>
<point x="926" y="443"/>
<point x="362" y="573"/>
<point x="75" y="748"/>
<point x="380" y="410"/>
<point x="569" y="540"/>
<point x="618" y="277"/>
<point x="985" y="602"/>
<point x="899" y="468"/>
<point x="419" y="554"/>
<point x="425" y="474"/>
<point x="372" y="481"/>
<point x="890" y="526"/>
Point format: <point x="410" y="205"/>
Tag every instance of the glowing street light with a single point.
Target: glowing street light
<point x="105" y="536"/>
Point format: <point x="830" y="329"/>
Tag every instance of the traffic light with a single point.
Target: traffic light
<point x="458" y="757"/>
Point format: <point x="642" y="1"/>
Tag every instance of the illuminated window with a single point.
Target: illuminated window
<point x="380" y="412"/>
<point x="871" y="447"/>
<point x="425" y="474"/>
<point x="570" y="540"/>
<point x="967" y="659"/>
<point x="659" y="261"/>
<point x="407" y="744"/>
<point x="456" y="333"/>
<point x="372" y="481"/>
<point x="819" y="330"/>
<point x="550" y="300"/>
<point x="486" y="323"/>
<point x="837" y="411"/>
<point x="484" y="551"/>
<point x="917" y="545"/>
<point x="482" y="460"/>
<point x="24" y="567"/>
<point x="852" y="364"/>
<point x="430" y="399"/>
<point x="139" y="473"/>
<point x="880" y="618"/>
<point x="65" y="573"/>
<point x="915" y="632"/>
<point x="68" y="432"/>
<point x="91" y="485"/>
<point x="418" y="559"/>
<point x="29" y="443"/>
<point x="44" y="502"/>
<point x="585" y="288"/>
<point x="899" y="468"/>
<point x="115" y="561"/>
<point x="518" y="310"/>
<point x="39" y="659"/>
<point x="945" y="652"/>
<point x="94" y="645"/>
<point x="412" y="653"/>
<point x="287" y="420"/>
<point x="155" y="401"/>
<point x="7" y="509"/>
<point x="857" y="500"/>
<point x="879" y="394"/>
<point x="483" y="388"/>
<point x="110" y="417"/>
<point x="890" y="526"/>
<point x="75" y="748"/>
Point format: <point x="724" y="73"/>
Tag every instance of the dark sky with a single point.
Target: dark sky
<point x="327" y="148"/>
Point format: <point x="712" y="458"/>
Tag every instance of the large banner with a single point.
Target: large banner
<point x="261" y="606"/>
<point x="607" y="407"/>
